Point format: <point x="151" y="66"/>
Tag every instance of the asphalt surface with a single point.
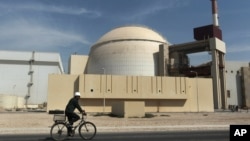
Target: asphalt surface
<point x="134" y="136"/>
<point x="27" y="126"/>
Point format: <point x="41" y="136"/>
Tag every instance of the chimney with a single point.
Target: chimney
<point x="215" y="13"/>
<point x="209" y="31"/>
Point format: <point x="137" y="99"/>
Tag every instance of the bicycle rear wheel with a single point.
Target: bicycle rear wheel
<point x="87" y="130"/>
<point x="59" y="132"/>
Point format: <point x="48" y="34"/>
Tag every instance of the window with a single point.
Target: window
<point x="228" y="93"/>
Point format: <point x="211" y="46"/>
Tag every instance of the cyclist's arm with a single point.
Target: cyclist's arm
<point x="76" y="103"/>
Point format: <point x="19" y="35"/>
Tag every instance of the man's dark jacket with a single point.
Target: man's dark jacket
<point x="73" y="103"/>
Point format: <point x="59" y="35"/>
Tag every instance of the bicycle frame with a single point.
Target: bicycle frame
<point x="86" y="129"/>
<point x="80" y="123"/>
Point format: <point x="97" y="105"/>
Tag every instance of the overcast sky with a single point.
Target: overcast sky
<point x="73" y="26"/>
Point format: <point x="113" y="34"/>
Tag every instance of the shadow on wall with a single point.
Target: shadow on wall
<point x="76" y="85"/>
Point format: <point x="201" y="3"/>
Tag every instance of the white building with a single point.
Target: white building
<point x="234" y="84"/>
<point x="25" y="75"/>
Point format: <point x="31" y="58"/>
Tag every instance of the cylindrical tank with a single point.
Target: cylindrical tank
<point x="11" y="101"/>
<point x="127" y="50"/>
<point x="20" y="102"/>
<point x="8" y="101"/>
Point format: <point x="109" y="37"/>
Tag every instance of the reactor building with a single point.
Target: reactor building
<point x="133" y="69"/>
<point x="128" y="50"/>
<point x="135" y="65"/>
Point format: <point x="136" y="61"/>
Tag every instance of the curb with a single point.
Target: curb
<point x="4" y="131"/>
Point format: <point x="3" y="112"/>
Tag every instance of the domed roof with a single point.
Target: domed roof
<point x="131" y="33"/>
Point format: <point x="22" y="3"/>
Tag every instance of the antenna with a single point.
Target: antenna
<point x="215" y="13"/>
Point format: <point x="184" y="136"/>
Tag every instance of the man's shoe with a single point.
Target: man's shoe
<point x="69" y="127"/>
<point x="71" y="133"/>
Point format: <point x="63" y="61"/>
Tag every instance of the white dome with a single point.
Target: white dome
<point x="128" y="50"/>
<point x="131" y="32"/>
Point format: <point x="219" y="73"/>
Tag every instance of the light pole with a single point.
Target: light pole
<point x="103" y="69"/>
<point x="197" y="89"/>
<point x="104" y="99"/>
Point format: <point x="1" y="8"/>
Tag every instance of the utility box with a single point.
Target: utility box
<point x="129" y="109"/>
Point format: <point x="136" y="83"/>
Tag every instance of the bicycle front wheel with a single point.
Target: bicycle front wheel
<point x="87" y="130"/>
<point x="59" y="132"/>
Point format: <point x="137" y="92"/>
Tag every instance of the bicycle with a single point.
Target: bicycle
<point x="61" y="128"/>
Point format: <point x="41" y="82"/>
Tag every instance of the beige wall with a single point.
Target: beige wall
<point x="129" y="109"/>
<point x="77" y="64"/>
<point x="60" y="90"/>
<point x="133" y="87"/>
<point x="161" y="94"/>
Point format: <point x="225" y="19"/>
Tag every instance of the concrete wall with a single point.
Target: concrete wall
<point x="77" y="64"/>
<point x="233" y="82"/>
<point x="60" y="89"/>
<point x="129" y="109"/>
<point x="161" y="94"/>
<point x="132" y="87"/>
<point x="245" y="86"/>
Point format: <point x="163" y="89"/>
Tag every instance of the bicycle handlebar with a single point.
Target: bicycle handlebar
<point x="84" y="115"/>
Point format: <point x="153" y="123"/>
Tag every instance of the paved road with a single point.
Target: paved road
<point x="136" y="136"/>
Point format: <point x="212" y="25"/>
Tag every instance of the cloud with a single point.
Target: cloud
<point x="23" y="35"/>
<point x="49" y="8"/>
<point x="156" y="7"/>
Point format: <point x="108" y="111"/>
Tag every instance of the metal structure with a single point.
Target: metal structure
<point x="30" y="73"/>
<point x="217" y="49"/>
<point x="209" y="39"/>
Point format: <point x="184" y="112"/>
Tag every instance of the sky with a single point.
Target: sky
<point x="73" y="26"/>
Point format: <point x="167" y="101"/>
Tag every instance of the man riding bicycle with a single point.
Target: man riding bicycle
<point x="71" y="106"/>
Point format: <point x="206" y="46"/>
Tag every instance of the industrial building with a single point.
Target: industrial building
<point x="128" y="50"/>
<point x="24" y="77"/>
<point x="129" y="69"/>
<point x="135" y="64"/>
<point x="237" y="84"/>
